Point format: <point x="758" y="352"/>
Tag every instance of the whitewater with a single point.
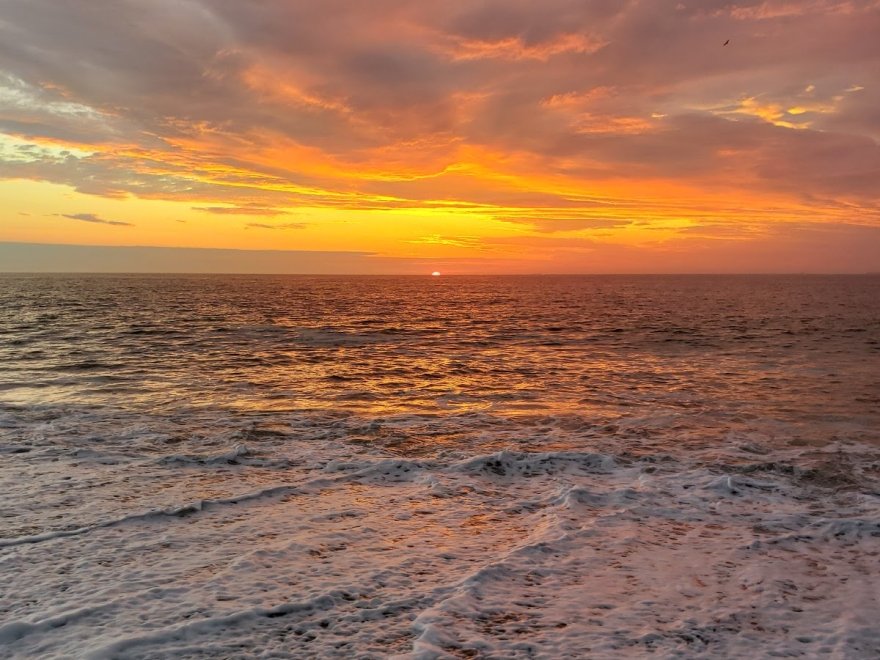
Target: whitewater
<point x="452" y="467"/>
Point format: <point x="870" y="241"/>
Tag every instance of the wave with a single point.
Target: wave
<point x="842" y="530"/>
<point x="171" y="512"/>
<point x="231" y="457"/>
<point x="501" y="464"/>
<point x="526" y="464"/>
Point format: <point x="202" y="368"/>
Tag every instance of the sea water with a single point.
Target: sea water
<point x="504" y="467"/>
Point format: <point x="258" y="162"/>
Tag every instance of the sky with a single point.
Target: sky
<point x="466" y="136"/>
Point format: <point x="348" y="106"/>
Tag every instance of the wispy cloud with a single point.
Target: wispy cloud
<point x="553" y="225"/>
<point x="286" y="225"/>
<point x="240" y="210"/>
<point x="91" y="217"/>
<point x="454" y="241"/>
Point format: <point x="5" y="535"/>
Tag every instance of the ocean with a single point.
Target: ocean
<point x="439" y="467"/>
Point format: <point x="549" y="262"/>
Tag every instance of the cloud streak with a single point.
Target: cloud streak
<point x="91" y="217"/>
<point x="239" y="210"/>
<point x="286" y="225"/>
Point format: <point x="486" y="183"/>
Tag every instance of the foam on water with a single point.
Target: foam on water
<point x="506" y="554"/>
<point x="362" y="486"/>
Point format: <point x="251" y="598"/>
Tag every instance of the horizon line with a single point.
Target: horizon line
<point x="28" y="258"/>
<point x="429" y="275"/>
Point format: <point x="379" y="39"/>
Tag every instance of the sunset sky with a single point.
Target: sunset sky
<point x="478" y="136"/>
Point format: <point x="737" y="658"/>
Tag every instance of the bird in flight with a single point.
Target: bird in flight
<point x="726" y="42"/>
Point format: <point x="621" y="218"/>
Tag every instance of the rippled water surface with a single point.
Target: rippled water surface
<point x="439" y="467"/>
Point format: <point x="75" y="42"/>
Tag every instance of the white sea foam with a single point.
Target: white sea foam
<point x="507" y="554"/>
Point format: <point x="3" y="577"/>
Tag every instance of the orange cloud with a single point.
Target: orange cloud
<point x="514" y="48"/>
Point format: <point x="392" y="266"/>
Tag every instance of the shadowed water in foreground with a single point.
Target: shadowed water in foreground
<point x="439" y="467"/>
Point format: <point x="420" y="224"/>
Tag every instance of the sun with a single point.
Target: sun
<point x="436" y="273"/>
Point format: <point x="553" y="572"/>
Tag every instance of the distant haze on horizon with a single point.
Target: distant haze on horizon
<point x="43" y="258"/>
<point x="396" y="136"/>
